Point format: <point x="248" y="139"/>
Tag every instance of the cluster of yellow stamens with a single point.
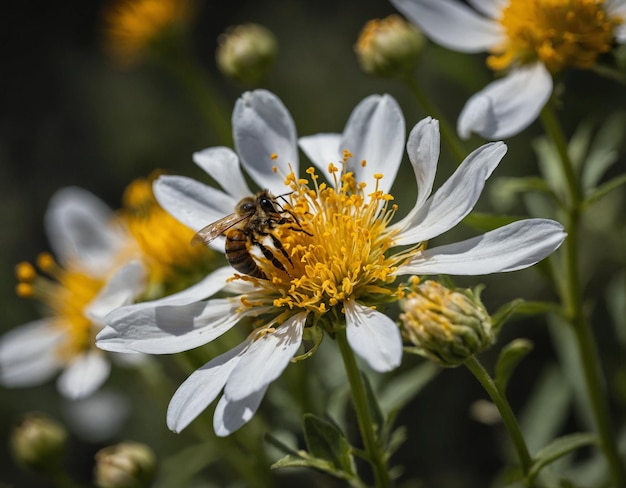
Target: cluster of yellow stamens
<point x="164" y="242"/>
<point x="338" y="247"/>
<point x="558" y="33"/>
<point x="65" y="293"/>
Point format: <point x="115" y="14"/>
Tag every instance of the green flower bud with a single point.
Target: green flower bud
<point x="38" y="442"/>
<point x="246" y="52"/>
<point x="390" y="47"/>
<point x="446" y="326"/>
<point x="125" y="465"/>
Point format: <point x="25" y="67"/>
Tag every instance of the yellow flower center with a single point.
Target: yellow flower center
<point x="559" y="33"/>
<point x="173" y="263"/>
<point x="337" y="249"/>
<point x="131" y="25"/>
<point x="65" y="293"/>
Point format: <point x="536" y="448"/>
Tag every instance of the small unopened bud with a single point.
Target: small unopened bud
<point x="390" y="47"/>
<point x="38" y="442"/>
<point x="125" y="465"/>
<point x="246" y="52"/>
<point x="447" y="326"/>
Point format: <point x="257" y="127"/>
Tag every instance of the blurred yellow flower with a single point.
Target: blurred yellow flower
<point x="165" y="245"/>
<point x="133" y="26"/>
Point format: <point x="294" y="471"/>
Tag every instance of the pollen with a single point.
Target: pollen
<point x="558" y="33"/>
<point x="336" y="243"/>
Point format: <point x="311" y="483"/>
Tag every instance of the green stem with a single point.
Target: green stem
<point x="198" y="83"/>
<point x="449" y="135"/>
<point x="572" y="300"/>
<point x="508" y="417"/>
<point x="373" y="449"/>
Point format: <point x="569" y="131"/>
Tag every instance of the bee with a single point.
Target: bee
<point x="254" y="219"/>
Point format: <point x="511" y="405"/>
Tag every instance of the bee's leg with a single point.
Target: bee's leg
<point x="268" y="254"/>
<point x="278" y="245"/>
<point x="299" y="229"/>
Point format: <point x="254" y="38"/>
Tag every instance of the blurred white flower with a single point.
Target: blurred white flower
<point x="88" y="281"/>
<point x="341" y="251"/>
<point x="528" y="41"/>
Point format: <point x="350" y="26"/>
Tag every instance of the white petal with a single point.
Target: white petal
<point x="509" y="248"/>
<point x="171" y="329"/>
<point x="452" y="24"/>
<point x="266" y="359"/>
<point x="373" y="336"/>
<point x="322" y="149"/>
<point x="375" y="133"/>
<point x="201" y="388"/>
<point x="230" y="415"/>
<point x="617" y="8"/>
<point x="456" y="197"/>
<point x="84" y="375"/>
<point x="193" y="203"/>
<point x="263" y="129"/>
<point x="508" y="105"/>
<point x="490" y="8"/>
<point x="423" y="151"/>
<point x="28" y="354"/>
<point x="121" y="289"/>
<point x="222" y="164"/>
<point x="208" y="286"/>
<point x="80" y="227"/>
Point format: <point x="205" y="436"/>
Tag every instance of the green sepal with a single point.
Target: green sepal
<point x="509" y="358"/>
<point x="559" y="448"/>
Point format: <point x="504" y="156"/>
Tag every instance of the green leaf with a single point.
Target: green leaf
<point x="559" y="448"/>
<point x="604" y="151"/>
<point x="505" y="189"/>
<point x="521" y="307"/>
<point x="325" y="441"/>
<point x="402" y="388"/>
<point x="485" y="222"/>
<point x="180" y="468"/>
<point x="509" y="358"/>
<point x="280" y="445"/>
<point x="605" y="189"/>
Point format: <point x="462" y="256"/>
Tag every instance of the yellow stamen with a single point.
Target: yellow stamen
<point x="558" y="33"/>
<point x="24" y="271"/>
<point x="337" y="247"/>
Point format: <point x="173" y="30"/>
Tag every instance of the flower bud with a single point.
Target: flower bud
<point x="246" y="52"/>
<point x="38" y="442"/>
<point x="390" y="47"/>
<point x="125" y="465"/>
<point x="447" y="326"/>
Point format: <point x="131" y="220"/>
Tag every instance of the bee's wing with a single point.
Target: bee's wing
<point x="217" y="228"/>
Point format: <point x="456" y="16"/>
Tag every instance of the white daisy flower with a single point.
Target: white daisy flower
<point x="528" y="41"/>
<point x="105" y="259"/>
<point x="87" y="242"/>
<point x="340" y="259"/>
